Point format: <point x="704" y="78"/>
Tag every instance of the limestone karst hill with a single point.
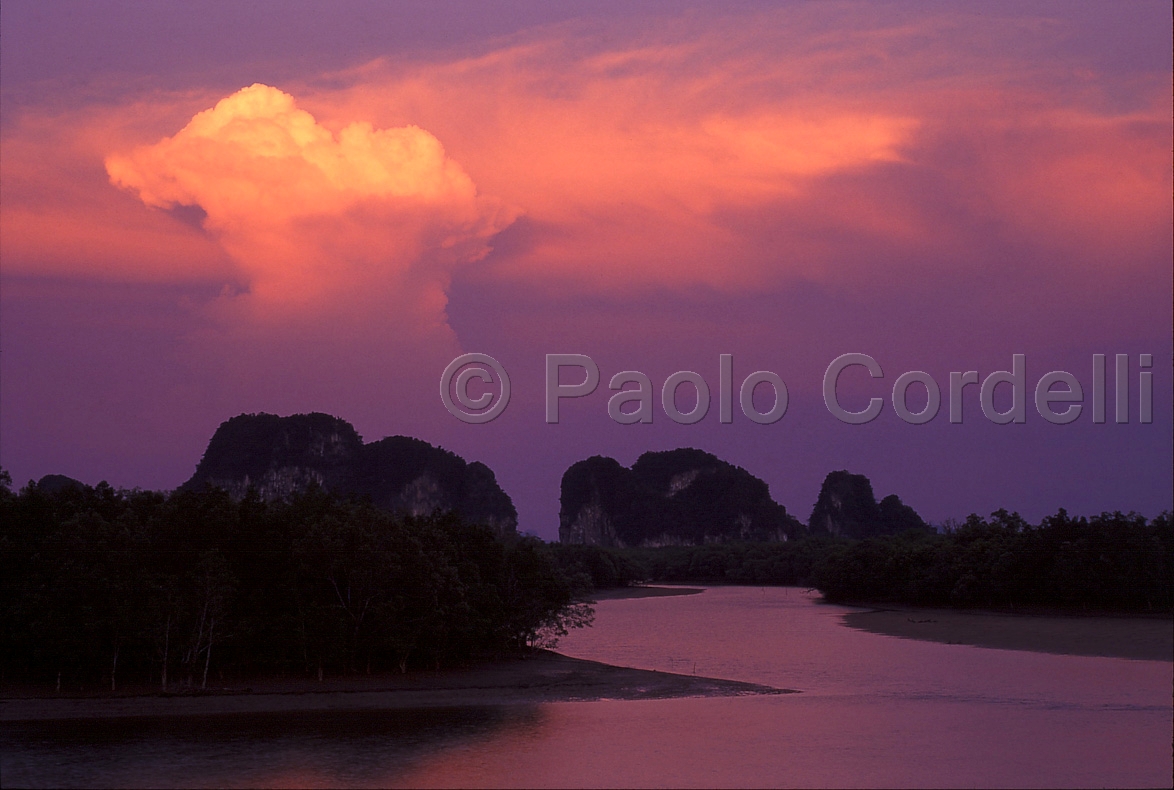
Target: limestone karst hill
<point x="280" y="456"/>
<point x="677" y="497"/>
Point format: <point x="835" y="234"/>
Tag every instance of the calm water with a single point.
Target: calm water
<point x="875" y="710"/>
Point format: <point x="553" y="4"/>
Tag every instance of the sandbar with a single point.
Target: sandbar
<point x="1135" y="637"/>
<point x="540" y="677"/>
<point x="642" y="591"/>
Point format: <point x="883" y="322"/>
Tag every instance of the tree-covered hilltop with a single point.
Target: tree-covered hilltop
<point x="105" y="586"/>
<point x="281" y="456"/>
<point x="677" y="497"/>
<point x="1110" y="562"/>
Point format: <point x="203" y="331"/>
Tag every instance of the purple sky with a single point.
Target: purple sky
<point x="647" y="184"/>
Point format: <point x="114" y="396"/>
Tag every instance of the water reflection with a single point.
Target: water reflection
<point x="315" y="749"/>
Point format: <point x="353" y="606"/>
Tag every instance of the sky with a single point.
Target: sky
<point x="209" y="209"/>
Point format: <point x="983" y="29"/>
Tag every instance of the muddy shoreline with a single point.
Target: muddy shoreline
<point x="538" y="678"/>
<point x="1140" y="638"/>
<point x="642" y="591"/>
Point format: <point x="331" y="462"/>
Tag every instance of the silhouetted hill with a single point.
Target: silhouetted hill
<point x="281" y="456"/>
<point x="51" y="484"/>
<point x="679" y="497"/>
<point x="848" y="507"/>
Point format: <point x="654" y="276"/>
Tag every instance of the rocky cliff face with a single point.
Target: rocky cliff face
<point x="680" y="497"/>
<point x="848" y="507"/>
<point x="279" y="456"/>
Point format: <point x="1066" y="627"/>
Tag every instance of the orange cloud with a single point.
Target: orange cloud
<point x="626" y="164"/>
<point x="312" y="216"/>
<point x="731" y="153"/>
<point x="742" y="153"/>
<point x="59" y="216"/>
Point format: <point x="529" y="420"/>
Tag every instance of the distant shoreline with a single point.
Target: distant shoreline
<point x="541" y="677"/>
<point x="1133" y="636"/>
<point x="642" y="591"/>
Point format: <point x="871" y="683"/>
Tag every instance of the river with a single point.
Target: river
<point x="873" y="710"/>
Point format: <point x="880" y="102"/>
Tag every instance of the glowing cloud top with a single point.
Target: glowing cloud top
<point x="306" y="211"/>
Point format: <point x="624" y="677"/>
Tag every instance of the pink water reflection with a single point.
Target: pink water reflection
<point x="876" y="711"/>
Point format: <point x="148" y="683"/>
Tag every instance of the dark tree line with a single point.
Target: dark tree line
<point x="783" y="563"/>
<point x="1110" y="562"/>
<point x="99" y="585"/>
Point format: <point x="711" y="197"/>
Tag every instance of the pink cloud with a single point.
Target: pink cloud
<point x="61" y="218"/>
<point x="313" y="217"/>
<point x="650" y="159"/>
<point x="730" y="153"/>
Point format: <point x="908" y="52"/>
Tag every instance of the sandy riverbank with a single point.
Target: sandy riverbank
<point x="1143" y="638"/>
<point x="540" y="677"/>
<point x="640" y="591"/>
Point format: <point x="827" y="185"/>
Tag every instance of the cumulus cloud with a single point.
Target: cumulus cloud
<point x="731" y="153"/>
<point x="61" y="218"/>
<point x="312" y="216"/>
